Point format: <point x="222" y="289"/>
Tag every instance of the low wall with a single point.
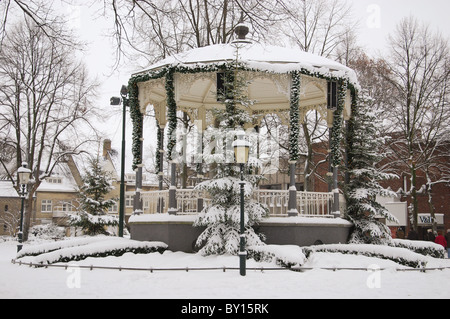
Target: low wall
<point x="179" y="234"/>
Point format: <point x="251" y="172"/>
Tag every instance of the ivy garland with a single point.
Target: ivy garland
<point x="171" y="113"/>
<point x="158" y="148"/>
<point x="169" y="71"/>
<point x="138" y="120"/>
<point x="351" y="130"/>
<point x="294" y="123"/>
<point x="336" y="132"/>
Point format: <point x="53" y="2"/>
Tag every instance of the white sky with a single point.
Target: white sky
<point x="377" y="18"/>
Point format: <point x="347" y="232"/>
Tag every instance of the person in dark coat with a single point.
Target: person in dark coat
<point x="430" y="235"/>
<point x="412" y="235"/>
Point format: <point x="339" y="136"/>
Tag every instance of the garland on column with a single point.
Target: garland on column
<point x="336" y="132"/>
<point x="294" y="123"/>
<point x="171" y="113"/>
<point x="137" y="119"/>
<point x="351" y="131"/>
<point x="158" y="147"/>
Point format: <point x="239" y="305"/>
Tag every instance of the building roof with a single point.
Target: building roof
<point x="7" y="190"/>
<point x="259" y="57"/>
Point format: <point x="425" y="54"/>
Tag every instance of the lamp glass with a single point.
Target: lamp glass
<point x="24" y="175"/>
<point x="241" y="153"/>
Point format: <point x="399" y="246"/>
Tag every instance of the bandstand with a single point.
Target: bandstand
<point x="281" y="81"/>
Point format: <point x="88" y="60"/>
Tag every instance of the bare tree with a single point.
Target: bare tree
<point x="45" y="101"/>
<point x="418" y="109"/>
<point x="317" y="26"/>
<point x="157" y="29"/>
<point x="40" y="12"/>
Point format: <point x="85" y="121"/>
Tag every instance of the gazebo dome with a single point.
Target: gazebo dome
<point x="268" y="70"/>
<point x="258" y="57"/>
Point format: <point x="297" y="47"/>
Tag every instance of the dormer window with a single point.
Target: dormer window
<point x="54" y="180"/>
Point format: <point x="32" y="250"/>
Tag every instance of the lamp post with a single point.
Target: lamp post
<point x="24" y="175"/>
<point x="125" y="103"/>
<point x="241" y="150"/>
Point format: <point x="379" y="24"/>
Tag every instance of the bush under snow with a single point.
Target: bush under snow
<point x="82" y="248"/>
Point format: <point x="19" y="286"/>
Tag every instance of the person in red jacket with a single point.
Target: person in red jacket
<point x="447" y="238"/>
<point x="441" y="240"/>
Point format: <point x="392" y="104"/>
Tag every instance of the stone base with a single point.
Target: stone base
<point x="179" y="234"/>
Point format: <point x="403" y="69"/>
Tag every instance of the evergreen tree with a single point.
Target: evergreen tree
<point x="364" y="182"/>
<point x="93" y="206"/>
<point x="222" y="217"/>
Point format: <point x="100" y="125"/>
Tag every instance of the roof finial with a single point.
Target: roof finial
<point x="241" y="29"/>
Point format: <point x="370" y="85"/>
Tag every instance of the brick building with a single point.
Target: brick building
<point x="398" y="206"/>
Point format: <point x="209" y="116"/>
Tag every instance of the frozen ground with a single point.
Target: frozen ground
<point x="28" y="282"/>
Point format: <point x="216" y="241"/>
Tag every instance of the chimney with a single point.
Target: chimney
<point x="106" y="147"/>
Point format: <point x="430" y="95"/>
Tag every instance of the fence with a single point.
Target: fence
<point x="191" y="201"/>
<point x="224" y="268"/>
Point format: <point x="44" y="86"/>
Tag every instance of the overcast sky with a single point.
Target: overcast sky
<point x="377" y="18"/>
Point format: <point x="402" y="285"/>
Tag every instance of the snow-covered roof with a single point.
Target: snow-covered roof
<point x="61" y="180"/>
<point x="7" y="189"/>
<point x="260" y="57"/>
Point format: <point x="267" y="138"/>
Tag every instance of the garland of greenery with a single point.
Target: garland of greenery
<point x="294" y="123"/>
<point x="158" y="147"/>
<point x="336" y="132"/>
<point x="351" y="130"/>
<point x="171" y="113"/>
<point x="137" y="117"/>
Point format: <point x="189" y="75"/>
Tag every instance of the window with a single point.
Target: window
<point x="114" y="209"/>
<point x="66" y="206"/>
<point x="54" y="180"/>
<point x="129" y="200"/>
<point x="46" y="206"/>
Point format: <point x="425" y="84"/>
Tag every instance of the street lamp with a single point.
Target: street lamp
<point x="241" y="150"/>
<point x="23" y="174"/>
<point x="125" y="102"/>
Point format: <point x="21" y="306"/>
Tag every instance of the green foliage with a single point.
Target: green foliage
<point x="336" y="132"/>
<point x="171" y="114"/>
<point x="294" y="124"/>
<point x="222" y="217"/>
<point x="93" y="205"/>
<point x="364" y="182"/>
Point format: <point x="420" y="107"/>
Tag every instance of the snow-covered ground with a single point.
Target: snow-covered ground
<point x="74" y="282"/>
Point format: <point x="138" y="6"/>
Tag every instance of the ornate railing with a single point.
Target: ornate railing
<point x="190" y="201"/>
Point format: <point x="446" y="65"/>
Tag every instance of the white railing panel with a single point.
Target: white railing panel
<point x="308" y="203"/>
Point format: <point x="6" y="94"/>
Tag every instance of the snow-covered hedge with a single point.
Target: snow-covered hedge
<point x="399" y="255"/>
<point x="74" y="250"/>
<point x="283" y="255"/>
<point x="38" y="249"/>
<point x="426" y="248"/>
<point x="50" y="231"/>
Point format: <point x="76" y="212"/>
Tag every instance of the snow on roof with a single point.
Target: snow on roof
<point x="261" y="57"/>
<point x="7" y="189"/>
<point x="61" y="180"/>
